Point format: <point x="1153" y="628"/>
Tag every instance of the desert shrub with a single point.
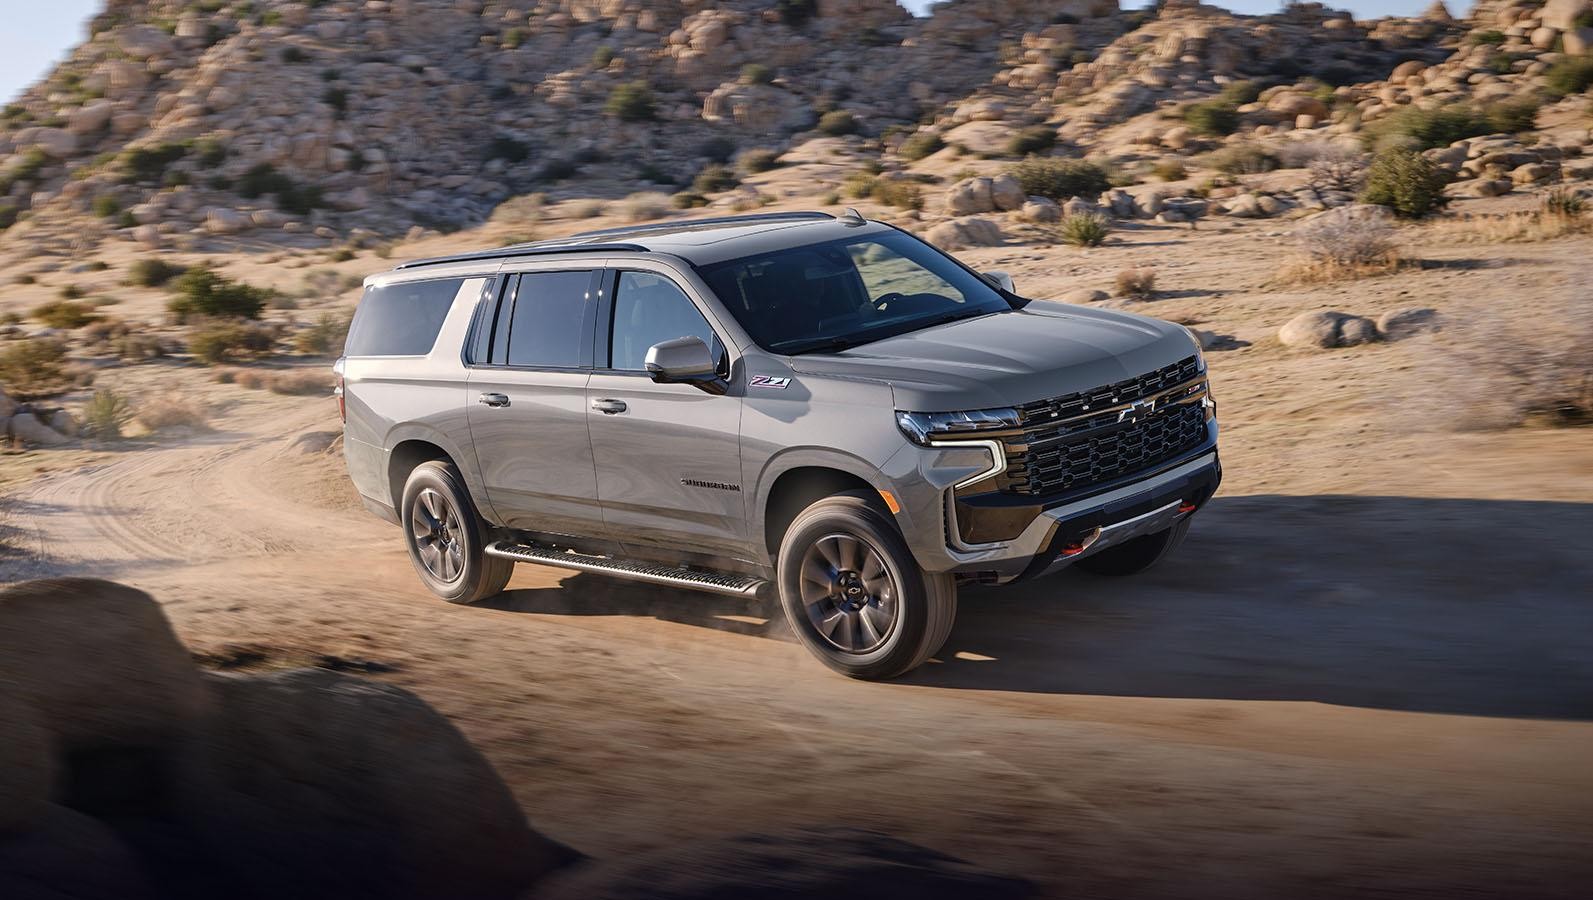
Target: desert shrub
<point x="220" y="341"/>
<point x="587" y="209"/>
<point x="507" y="149"/>
<point x="71" y="292"/>
<point x="1347" y="238"/>
<point x="757" y="160"/>
<point x="796" y="13"/>
<point x="1571" y="75"/>
<point x="1511" y="116"/>
<point x="756" y="73"/>
<point x="1170" y="170"/>
<point x="1060" y="179"/>
<point x="138" y="347"/>
<point x="859" y="185"/>
<point x="105" y="206"/>
<point x="837" y="122"/>
<point x="204" y="292"/>
<point x="290" y="195"/>
<point x="102" y="332"/>
<point x="325" y="337"/>
<point x="1241" y="159"/>
<point x="1240" y="93"/>
<point x="897" y="192"/>
<point x="1406" y="182"/>
<point x="644" y="206"/>
<point x="171" y="412"/>
<point x="1084" y="230"/>
<point x="299" y="383"/>
<point x="1037" y="139"/>
<point x="602" y="56"/>
<point x="8" y="215"/>
<point x="688" y="200"/>
<point x="1416" y="128"/>
<point x="1560" y="214"/>
<point x="921" y="145"/>
<point x="630" y="102"/>
<point x="1337" y="168"/>
<point x="106" y="414"/>
<point x="1562" y="202"/>
<point x="1137" y="284"/>
<point x="144" y="164"/>
<point x="1213" y="118"/>
<point x="64" y="314"/>
<point x="148" y="272"/>
<point x="714" y="179"/>
<point x="1489" y="36"/>
<point x="33" y="367"/>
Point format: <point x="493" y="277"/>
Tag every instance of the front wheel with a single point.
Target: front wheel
<point x="446" y="538"/>
<point x="853" y="593"/>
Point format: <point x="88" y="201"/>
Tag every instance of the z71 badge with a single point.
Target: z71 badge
<point x="769" y="381"/>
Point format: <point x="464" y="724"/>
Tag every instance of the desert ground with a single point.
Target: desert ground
<point x="1369" y="669"/>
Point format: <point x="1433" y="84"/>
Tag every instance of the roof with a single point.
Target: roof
<point x="698" y="241"/>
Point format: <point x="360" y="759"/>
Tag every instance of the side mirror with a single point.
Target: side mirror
<point x="1001" y="280"/>
<point x="684" y="360"/>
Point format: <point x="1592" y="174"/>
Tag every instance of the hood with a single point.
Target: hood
<point x="1043" y="350"/>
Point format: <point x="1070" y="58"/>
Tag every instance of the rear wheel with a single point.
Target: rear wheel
<point x="1137" y="555"/>
<point x="853" y="593"/>
<point x="446" y="538"/>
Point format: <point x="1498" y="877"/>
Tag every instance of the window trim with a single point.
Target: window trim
<point x="504" y="301"/>
<point x="603" y="339"/>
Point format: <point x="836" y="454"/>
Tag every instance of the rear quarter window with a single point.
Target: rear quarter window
<point x="404" y="319"/>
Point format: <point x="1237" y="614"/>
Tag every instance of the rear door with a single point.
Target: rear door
<point x="533" y="357"/>
<point x="668" y="456"/>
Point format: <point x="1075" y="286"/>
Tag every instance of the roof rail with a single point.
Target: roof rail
<point x="798" y="215"/>
<point x="522" y="250"/>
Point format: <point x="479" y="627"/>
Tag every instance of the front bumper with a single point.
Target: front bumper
<point x="1073" y="529"/>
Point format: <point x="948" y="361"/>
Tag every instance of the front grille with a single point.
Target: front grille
<point x="1095" y="436"/>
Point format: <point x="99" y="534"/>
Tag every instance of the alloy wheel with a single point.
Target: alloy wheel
<point x="439" y="535"/>
<point x="850" y="597"/>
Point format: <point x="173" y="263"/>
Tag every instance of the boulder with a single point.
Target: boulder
<point x="959" y="234"/>
<point x="1324" y="330"/>
<point x="968" y="197"/>
<point x="1403" y="323"/>
<point x="315" y="784"/>
<point x="1543" y="38"/>
<point x="1177" y="137"/>
<point x="224" y="220"/>
<point x="1006" y="193"/>
<point x="90" y="117"/>
<point x="67" y="855"/>
<point x="1406" y="69"/>
<point x="1244" y="206"/>
<point x="1290" y="105"/>
<point x="143" y="41"/>
<point x="1578" y="41"/>
<point x="64" y="422"/>
<point x="1535" y="173"/>
<point x="27" y="428"/>
<point x="1041" y="209"/>
<point x="832" y="863"/>
<point x="1078" y="206"/>
<point x="1562" y="14"/>
<point x="1120" y="203"/>
<point x="57" y="143"/>
<point x="1493" y="187"/>
<point x="98" y="663"/>
<point x="27" y="764"/>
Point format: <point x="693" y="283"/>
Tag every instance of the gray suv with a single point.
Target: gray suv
<point x="826" y="406"/>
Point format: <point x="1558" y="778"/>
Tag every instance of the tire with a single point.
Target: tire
<point x="1137" y="555"/>
<point x="855" y="595"/>
<point x="447" y="538"/>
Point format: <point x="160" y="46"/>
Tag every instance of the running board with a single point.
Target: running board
<point x="695" y="579"/>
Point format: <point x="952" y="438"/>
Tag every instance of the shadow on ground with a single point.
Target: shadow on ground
<point x="1474" y="607"/>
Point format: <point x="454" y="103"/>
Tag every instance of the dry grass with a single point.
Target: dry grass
<point x="585" y="209"/>
<point x="1511" y="228"/>
<point x="298" y="383"/>
<point x="171" y="412"/>
<point x="1342" y="245"/>
<point x="1136" y="284"/>
<point x="645" y="206"/>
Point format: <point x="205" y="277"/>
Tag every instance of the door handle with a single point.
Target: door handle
<point x="495" y="400"/>
<point x="609" y="407"/>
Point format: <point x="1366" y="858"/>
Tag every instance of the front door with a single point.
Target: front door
<point x="528" y="404"/>
<point x="668" y="455"/>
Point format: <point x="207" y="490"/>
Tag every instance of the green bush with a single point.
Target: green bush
<point x="211" y="152"/>
<point x="8" y="215"/>
<point x="290" y="196"/>
<point x="921" y="145"/>
<point x="1423" y="129"/>
<point x="1510" y="116"/>
<point x="152" y="272"/>
<point x="64" y="314"/>
<point x="146" y="164"/>
<point x="513" y="38"/>
<point x="630" y="102"/>
<point x="1214" y="118"/>
<point x="106" y="414"/>
<point x="756" y="73"/>
<point x="1406" y="182"/>
<point x="602" y="56"/>
<point x="217" y="342"/>
<point x="1084" y="230"/>
<point x="337" y="98"/>
<point x="203" y="292"/>
<point x="105" y="206"/>
<point x="899" y="193"/>
<point x="714" y="179"/>
<point x="32" y="367"/>
<point x="325" y="337"/>
<point x="1490" y="36"/>
<point x="837" y="122"/>
<point x="1030" y="141"/>
<point x="1170" y="170"/>
<point x="688" y="200"/>
<point x="507" y="149"/>
<point x="796" y="13"/>
<point x="1240" y="93"/>
<point x="758" y="160"/>
<point x="1242" y="159"/>
<point x="1571" y="75"/>
<point x="1060" y="179"/>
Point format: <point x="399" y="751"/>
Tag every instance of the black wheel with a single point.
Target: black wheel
<point x="1137" y="555"/>
<point x="853" y="593"/>
<point x="446" y="537"/>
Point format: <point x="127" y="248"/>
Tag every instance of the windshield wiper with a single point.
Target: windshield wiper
<point x="947" y="318"/>
<point x="828" y="345"/>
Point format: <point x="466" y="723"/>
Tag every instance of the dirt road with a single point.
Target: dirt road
<point x="1319" y="694"/>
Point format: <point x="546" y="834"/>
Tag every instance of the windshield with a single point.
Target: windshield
<point x="830" y="296"/>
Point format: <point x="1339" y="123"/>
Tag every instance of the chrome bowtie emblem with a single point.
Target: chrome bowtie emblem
<point x="1137" y="410"/>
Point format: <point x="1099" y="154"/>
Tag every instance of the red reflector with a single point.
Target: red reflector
<point x="1186" y="508"/>
<point x="1072" y="549"/>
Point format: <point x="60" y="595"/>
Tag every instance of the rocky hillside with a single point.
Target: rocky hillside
<point x="180" y="120"/>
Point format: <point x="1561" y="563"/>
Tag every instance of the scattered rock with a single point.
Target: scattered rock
<point x="27" y="428"/>
<point x="1041" y="209"/>
<point x="1324" y="330"/>
<point x="1007" y="193"/>
<point x="958" y="234"/>
<point x="1493" y="187"/>
<point x="1355" y="330"/>
<point x="982" y="195"/>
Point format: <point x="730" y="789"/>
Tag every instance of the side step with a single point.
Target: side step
<point x="695" y="579"/>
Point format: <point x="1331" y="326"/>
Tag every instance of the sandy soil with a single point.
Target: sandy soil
<point x="1370" y="668"/>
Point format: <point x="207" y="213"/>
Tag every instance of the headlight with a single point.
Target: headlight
<point x="924" y="428"/>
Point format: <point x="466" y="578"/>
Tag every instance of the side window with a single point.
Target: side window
<point x="548" y="323"/>
<point x="403" y="319"/>
<point x="650" y="308"/>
